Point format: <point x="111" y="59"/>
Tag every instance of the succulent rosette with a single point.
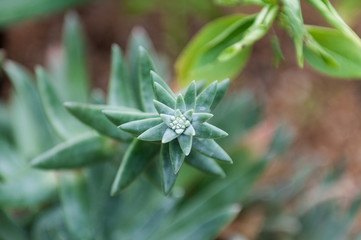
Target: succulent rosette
<point x="178" y="123"/>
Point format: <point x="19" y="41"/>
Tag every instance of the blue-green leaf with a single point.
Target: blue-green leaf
<point x="137" y="157"/>
<point x="164" y="96"/>
<point x="205" y="98"/>
<point x="145" y="65"/>
<point x="139" y="126"/>
<point x="176" y="155"/>
<point x="190" y="96"/>
<point x="205" y="164"/>
<point x="206" y="130"/>
<point x="154" y="134"/>
<point x="221" y="91"/>
<point x="162" y="108"/>
<point x="9" y="229"/>
<point x="211" y="149"/>
<point x="121" y="117"/>
<point x="185" y="142"/>
<point x="169" y="176"/>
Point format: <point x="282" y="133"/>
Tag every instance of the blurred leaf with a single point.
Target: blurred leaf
<point x="169" y="177"/>
<point x="221" y="91"/>
<point x="294" y="24"/>
<point x="199" y="60"/>
<point x="9" y="229"/>
<point x="76" y="206"/>
<point x="93" y="116"/>
<point x="119" y="92"/>
<point x="145" y="82"/>
<point x="204" y="163"/>
<point x="63" y="123"/>
<point x="239" y="2"/>
<point x="277" y="52"/>
<point x="77" y="152"/>
<point x="137" y="157"/>
<point x="75" y="85"/>
<point x="345" y="54"/>
<point x="14" y="11"/>
<point x="31" y="129"/>
<point x="121" y="117"/>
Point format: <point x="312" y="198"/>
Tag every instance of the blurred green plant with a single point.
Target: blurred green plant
<point x="75" y="204"/>
<point x="221" y="49"/>
<point x="13" y="11"/>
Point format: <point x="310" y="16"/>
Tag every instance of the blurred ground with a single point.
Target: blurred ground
<point x="325" y="113"/>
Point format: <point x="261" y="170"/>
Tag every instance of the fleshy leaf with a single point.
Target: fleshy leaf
<point x="119" y="93"/>
<point x="75" y="86"/>
<point x="93" y="116"/>
<point x="157" y="79"/>
<point x="190" y="96"/>
<point x="169" y="176"/>
<point x="155" y="133"/>
<point x="137" y="157"/>
<point x="180" y="104"/>
<point x="189" y="131"/>
<point x="205" y="164"/>
<point x="145" y="65"/>
<point x="211" y="149"/>
<point x="169" y="135"/>
<point x="167" y="118"/>
<point x="201" y="117"/>
<point x="205" y="98"/>
<point x="77" y="152"/>
<point x="176" y="155"/>
<point x="163" y="96"/>
<point x="185" y="142"/>
<point x="206" y="130"/>
<point x="63" y="123"/>
<point x="9" y="229"/>
<point x="162" y="108"/>
<point x="139" y="126"/>
<point x="121" y="117"/>
<point x="221" y="91"/>
<point x="189" y="114"/>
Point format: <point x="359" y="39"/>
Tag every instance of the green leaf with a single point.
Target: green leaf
<point x="162" y="95"/>
<point x="199" y="60"/>
<point x="205" y="164"/>
<point x="76" y="206"/>
<point x="277" y="51"/>
<point x="154" y="134"/>
<point x="338" y="56"/>
<point x="121" y="117"/>
<point x="157" y="79"/>
<point x="198" y="118"/>
<point x="211" y="149"/>
<point x="205" y="98"/>
<point x="221" y="91"/>
<point x="119" y="92"/>
<point x="180" y="104"/>
<point x="93" y="116"/>
<point x="176" y="155"/>
<point x="293" y="22"/>
<point x="137" y="157"/>
<point x="185" y="142"/>
<point x="9" y="229"/>
<point x="145" y="81"/>
<point x="190" y="96"/>
<point x="139" y="126"/>
<point x="162" y="108"/>
<point x="77" y="152"/>
<point x="206" y="130"/>
<point x="63" y="123"/>
<point x="169" y="176"/>
<point x="36" y="135"/>
<point x="75" y="86"/>
<point x="169" y="135"/>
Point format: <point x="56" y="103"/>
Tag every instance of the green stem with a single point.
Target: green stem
<point x="325" y="8"/>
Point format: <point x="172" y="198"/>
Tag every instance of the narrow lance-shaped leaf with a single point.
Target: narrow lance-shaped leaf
<point x="206" y="130"/>
<point x="205" y="164"/>
<point x="185" y="142"/>
<point x="294" y="23"/>
<point x="119" y="92"/>
<point x="145" y="65"/>
<point x="64" y="124"/>
<point x="36" y="135"/>
<point x="75" y="86"/>
<point x="211" y="149"/>
<point x="176" y="155"/>
<point x="77" y="152"/>
<point x="140" y="126"/>
<point x="93" y="116"/>
<point x="205" y="98"/>
<point x="162" y="95"/>
<point x="154" y="134"/>
<point x="119" y="117"/>
<point x="169" y="176"/>
<point x="137" y="157"/>
<point x="190" y="96"/>
<point x="221" y="91"/>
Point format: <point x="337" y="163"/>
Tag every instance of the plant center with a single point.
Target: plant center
<point x="179" y="123"/>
